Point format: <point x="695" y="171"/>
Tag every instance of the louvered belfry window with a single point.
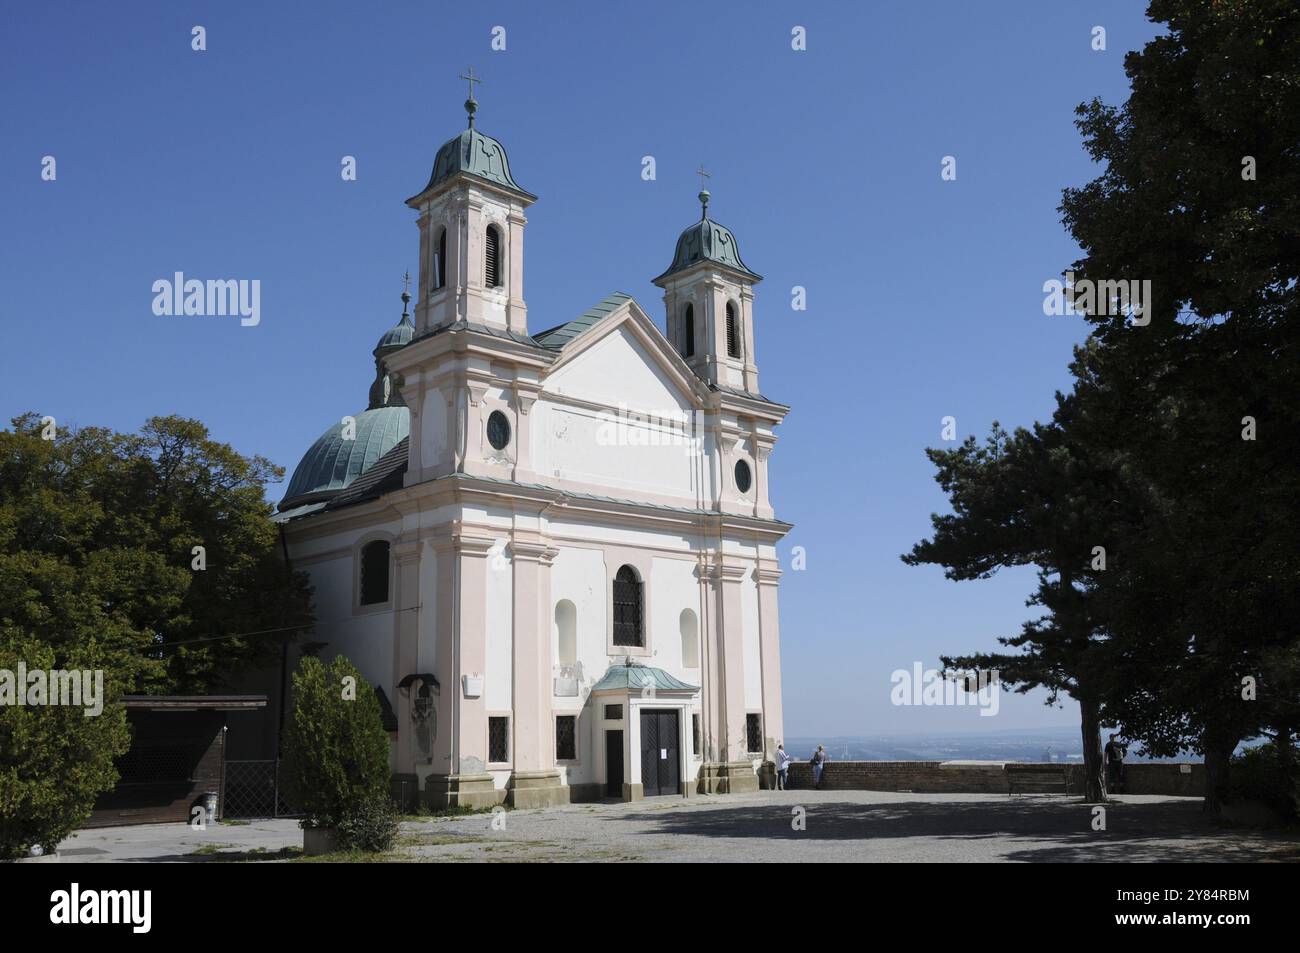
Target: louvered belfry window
<point x="627" y="608"/>
<point x="688" y="331"/>
<point x="440" y="266"/>
<point x="492" y="257"/>
<point x="733" y="332"/>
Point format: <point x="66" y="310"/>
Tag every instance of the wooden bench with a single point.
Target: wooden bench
<point x="1038" y="780"/>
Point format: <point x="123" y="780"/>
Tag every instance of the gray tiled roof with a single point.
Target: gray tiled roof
<point x="560" y="335"/>
<point x="383" y="475"/>
<point x="462" y="325"/>
<point x="739" y="392"/>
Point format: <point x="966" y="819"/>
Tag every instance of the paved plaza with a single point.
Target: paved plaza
<point x="836" y="826"/>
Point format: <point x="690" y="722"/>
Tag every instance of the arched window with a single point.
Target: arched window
<point x="566" y="627"/>
<point x="627" y="608"/>
<point x="733" y="332"/>
<point x="440" y="260"/>
<point x="690" y="629"/>
<point x="374" y="573"/>
<point x="688" y="331"/>
<point x="492" y="257"/>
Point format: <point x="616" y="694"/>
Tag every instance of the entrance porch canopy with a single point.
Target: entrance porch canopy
<point x="632" y="676"/>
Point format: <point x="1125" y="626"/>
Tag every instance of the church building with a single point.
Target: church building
<point x="553" y="551"/>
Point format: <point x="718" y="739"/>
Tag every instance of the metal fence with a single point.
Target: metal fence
<point x="253" y="789"/>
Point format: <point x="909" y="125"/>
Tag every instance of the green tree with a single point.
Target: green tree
<point x="1200" y="195"/>
<point x="1032" y="498"/>
<point x="54" y="759"/>
<point x="335" y="745"/>
<point x="97" y="540"/>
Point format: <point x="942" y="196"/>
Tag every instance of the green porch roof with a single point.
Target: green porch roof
<point x="624" y="676"/>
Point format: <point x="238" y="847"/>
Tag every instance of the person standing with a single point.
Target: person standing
<point x="819" y="760"/>
<point x="783" y="760"/>
<point x="1115" y="765"/>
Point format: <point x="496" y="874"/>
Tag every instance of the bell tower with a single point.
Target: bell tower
<point x="471" y="235"/>
<point x="709" y="300"/>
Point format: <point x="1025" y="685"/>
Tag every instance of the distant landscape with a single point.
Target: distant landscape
<point x="1045" y="744"/>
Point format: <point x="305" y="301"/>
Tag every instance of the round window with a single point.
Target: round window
<point x="743" y="477"/>
<point x="498" y="429"/>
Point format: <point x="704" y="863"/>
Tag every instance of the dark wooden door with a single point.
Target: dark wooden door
<point x="660" y="754"/>
<point x="614" y="763"/>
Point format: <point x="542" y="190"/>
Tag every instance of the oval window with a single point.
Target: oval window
<point x="743" y="477"/>
<point x="498" y="430"/>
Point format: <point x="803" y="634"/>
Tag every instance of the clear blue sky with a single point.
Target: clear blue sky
<point x="925" y="296"/>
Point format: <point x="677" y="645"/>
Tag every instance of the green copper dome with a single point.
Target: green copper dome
<point x="706" y="240"/>
<point x="397" y="336"/>
<point x="333" y="463"/>
<point x="477" y="155"/>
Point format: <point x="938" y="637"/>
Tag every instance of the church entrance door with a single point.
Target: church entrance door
<point x="614" y="764"/>
<point x="660" y="769"/>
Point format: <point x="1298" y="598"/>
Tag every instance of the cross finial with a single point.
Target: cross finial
<point x="471" y="104"/>
<point x="704" y="193"/>
<point x="703" y="175"/>
<point x="406" y="291"/>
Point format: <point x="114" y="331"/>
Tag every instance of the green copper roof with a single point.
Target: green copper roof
<point x="397" y="336"/>
<point x="560" y="335"/>
<point x="637" y="677"/>
<point x="333" y="463"/>
<point x="706" y="240"/>
<point x="474" y="154"/>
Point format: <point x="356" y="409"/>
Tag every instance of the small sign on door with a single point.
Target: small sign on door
<point x="663" y="754"/>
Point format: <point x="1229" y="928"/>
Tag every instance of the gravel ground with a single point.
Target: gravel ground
<point x="838" y="826"/>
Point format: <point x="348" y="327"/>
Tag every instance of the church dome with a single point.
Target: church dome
<point x="399" y="335"/>
<point x="475" y="154"/>
<point x="707" y="240"/>
<point x="333" y="463"/>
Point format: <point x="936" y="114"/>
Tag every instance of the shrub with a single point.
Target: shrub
<point x="54" y="759"/>
<point x="1257" y="775"/>
<point x="371" y="826"/>
<point x="335" y="746"/>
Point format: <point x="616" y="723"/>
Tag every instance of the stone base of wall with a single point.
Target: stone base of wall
<point x="475" y="791"/>
<point x="939" y="777"/>
<point x="536" y="789"/>
<point x="726" y="777"/>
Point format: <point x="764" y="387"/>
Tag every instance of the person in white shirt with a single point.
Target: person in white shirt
<point x="783" y="760"/>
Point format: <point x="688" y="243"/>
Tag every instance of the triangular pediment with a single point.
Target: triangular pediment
<point x="623" y="358"/>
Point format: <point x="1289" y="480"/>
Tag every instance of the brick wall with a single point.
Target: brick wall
<point x="936" y="777"/>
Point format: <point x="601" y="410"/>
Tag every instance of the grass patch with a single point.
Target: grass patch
<point x="428" y="814"/>
<point x="254" y="854"/>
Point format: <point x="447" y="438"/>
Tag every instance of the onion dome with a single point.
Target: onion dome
<point x="707" y="240"/>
